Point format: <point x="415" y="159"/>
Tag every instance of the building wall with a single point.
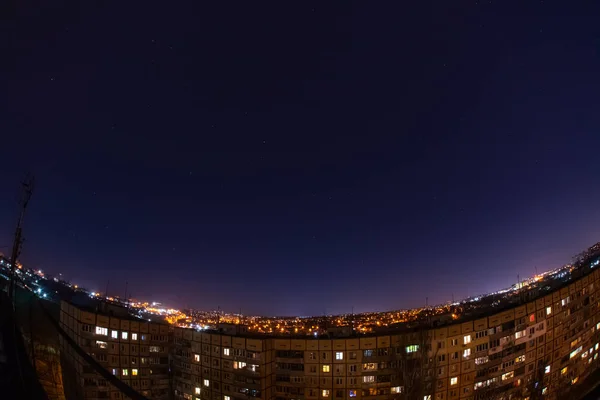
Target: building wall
<point x="538" y="350"/>
<point x="136" y="352"/>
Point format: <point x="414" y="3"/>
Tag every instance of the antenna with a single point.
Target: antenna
<point x="26" y="192"/>
<point x="106" y="293"/>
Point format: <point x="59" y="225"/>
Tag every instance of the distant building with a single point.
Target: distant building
<point x="232" y="329"/>
<point x="339" y="331"/>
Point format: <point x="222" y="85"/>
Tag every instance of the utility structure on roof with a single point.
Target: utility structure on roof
<point x="26" y="192"/>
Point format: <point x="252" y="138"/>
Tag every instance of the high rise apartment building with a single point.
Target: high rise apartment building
<point x="541" y="349"/>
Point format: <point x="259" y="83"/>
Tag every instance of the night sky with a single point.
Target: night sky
<point x="301" y="158"/>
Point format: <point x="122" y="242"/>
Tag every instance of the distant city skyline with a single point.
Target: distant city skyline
<point x="240" y="311"/>
<point x="301" y="159"/>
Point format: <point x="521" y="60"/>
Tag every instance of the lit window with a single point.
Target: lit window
<point x="101" y="344"/>
<point x="532" y="318"/>
<point x="206" y="383"/>
<point x="339" y="355"/>
<point x="114" y="371"/>
<point x="225" y="351"/>
<point x="481" y="360"/>
<point x="325" y="368"/>
<point x="239" y="364"/>
<point x="574" y="380"/>
<point x="154" y="349"/>
<point x="197" y="357"/>
<point x="134" y="372"/>
<point x="114" y="334"/>
<point x="596" y="346"/>
<point x="412" y="348"/>
<point x="124" y="335"/>
<point x="197" y="391"/>
<point x="368" y="379"/>
<point x="101" y="331"/>
<point x="352" y="393"/>
<point x="427" y="397"/>
<point x="466" y="353"/>
<point x="544" y="390"/>
<point x="467" y="339"/>
<point x="454" y="380"/>
<point x="325" y="393"/>
<point x="370" y="366"/>
<point x="520" y="359"/>
<point x="564" y="370"/>
<point x="125" y="372"/>
<point x="548" y="310"/>
<point x="508" y="375"/>
<point x="396" y="389"/>
<point x="134" y="336"/>
<point x="226" y="398"/>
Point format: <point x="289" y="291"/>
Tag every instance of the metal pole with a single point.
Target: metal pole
<point x="27" y="187"/>
<point x="13" y="258"/>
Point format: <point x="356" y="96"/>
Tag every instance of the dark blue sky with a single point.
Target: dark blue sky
<point x="302" y="158"/>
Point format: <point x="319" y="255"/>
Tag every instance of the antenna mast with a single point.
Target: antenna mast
<point x="26" y="191"/>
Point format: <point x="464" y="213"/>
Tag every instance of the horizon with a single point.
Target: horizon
<point x="456" y="301"/>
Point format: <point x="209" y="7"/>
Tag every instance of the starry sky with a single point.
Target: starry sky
<point x="305" y="157"/>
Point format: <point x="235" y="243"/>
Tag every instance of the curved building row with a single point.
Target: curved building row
<point x="545" y="348"/>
